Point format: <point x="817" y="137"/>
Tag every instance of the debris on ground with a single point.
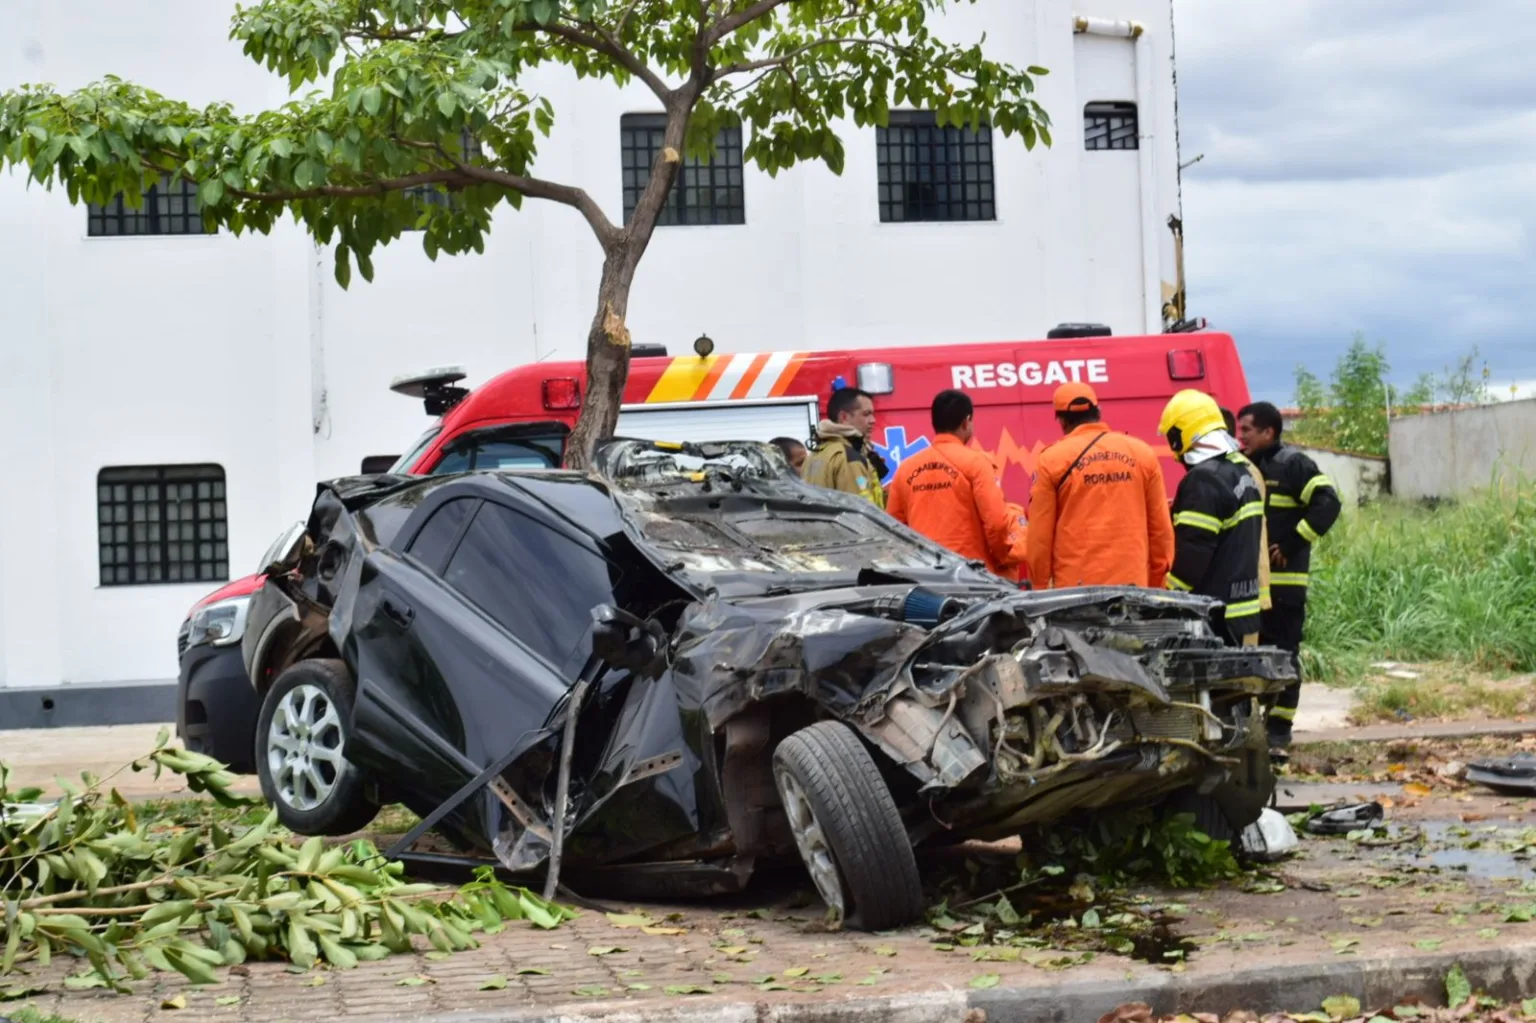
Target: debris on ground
<point x="1344" y="819"/>
<point x="1515" y="776"/>
<point x="90" y="876"/>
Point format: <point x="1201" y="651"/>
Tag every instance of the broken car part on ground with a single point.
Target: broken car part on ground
<point x="766" y="667"/>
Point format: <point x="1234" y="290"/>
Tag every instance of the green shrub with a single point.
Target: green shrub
<point x="1402" y="581"/>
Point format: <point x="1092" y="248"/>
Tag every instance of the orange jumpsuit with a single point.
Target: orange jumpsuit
<point x="1106" y="524"/>
<point x="949" y="493"/>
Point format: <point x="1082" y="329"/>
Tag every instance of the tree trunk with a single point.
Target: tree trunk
<point x="608" y="339"/>
<point x="607" y="357"/>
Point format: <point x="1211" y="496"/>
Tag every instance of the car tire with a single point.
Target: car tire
<point x="1209" y="816"/>
<point x="847" y="828"/>
<point x="301" y="739"/>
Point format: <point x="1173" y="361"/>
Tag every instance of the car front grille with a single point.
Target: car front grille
<point x="183" y="637"/>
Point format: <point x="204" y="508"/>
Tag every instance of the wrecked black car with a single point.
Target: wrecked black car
<point x="750" y="667"/>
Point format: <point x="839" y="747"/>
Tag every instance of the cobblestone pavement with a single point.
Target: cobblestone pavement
<point x="1342" y="900"/>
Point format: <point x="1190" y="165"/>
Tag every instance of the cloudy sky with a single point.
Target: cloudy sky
<point x="1368" y="165"/>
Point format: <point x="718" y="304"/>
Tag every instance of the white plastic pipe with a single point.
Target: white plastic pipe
<point x="1146" y="112"/>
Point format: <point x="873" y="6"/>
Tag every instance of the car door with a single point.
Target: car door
<point x="471" y="641"/>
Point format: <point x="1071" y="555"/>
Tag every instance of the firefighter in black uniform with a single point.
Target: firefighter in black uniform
<point x="1218" y="514"/>
<point x="1303" y="505"/>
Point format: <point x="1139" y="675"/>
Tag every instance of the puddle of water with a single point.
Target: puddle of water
<point x="1447" y="850"/>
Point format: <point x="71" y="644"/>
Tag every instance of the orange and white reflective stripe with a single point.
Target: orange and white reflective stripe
<point x="727" y="377"/>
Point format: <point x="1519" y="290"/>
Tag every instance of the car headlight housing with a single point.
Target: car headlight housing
<point x="220" y="624"/>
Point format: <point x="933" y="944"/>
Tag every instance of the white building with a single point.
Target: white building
<point x="242" y="353"/>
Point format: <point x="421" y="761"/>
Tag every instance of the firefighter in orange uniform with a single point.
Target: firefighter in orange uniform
<point x="950" y="494"/>
<point x="1098" y="513"/>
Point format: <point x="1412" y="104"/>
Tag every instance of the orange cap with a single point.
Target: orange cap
<point x="1075" y="397"/>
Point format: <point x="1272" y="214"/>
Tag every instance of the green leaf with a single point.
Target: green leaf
<point x="533" y="971"/>
<point x="496" y="983"/>
<point x="335" y="954"/>
<point x="412" y="982"/>
<point x="1457" y="988"/>
<point x="301" y="947"/>
<point x="447" y="103"/>
<point x="373" y="99"/>
<point x="1341" y="1007"/>
<point x="688" y="989"/>
<point x="986" y="980"/>
<point x="210" y="192"/>
<point x="1528" y="1007"/>
<point x="1429" y="944"/>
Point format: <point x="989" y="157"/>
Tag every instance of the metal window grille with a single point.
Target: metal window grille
<point x="167" y="209"/>
<point x="705" y="192"/>
<point x="932" y="173"/>
<point x="1110" y="126"/>
<point x="162" y="524"/>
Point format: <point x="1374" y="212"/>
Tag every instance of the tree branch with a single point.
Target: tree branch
<point x="730" y="23"/>
<point x="604" y="43"/>
<point x="785" y="58"/>
<point x="568" y="195"/>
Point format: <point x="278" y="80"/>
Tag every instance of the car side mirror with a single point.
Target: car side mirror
<point x="624" y="640"/>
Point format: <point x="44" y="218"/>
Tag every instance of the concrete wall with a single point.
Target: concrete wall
<point x="1451" y="453"/>
<point x="1359" y="479"/>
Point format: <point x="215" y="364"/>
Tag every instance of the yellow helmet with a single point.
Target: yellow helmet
<point x="1189" y="416"/>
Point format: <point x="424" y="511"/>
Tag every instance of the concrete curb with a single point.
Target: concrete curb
<point x="1507" y="973"/>
<point x="1394" y="733"/>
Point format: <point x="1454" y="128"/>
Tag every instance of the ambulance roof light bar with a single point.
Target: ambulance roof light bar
<point x="434" y="387"/>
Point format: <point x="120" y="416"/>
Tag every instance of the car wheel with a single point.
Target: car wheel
<point x="846" y="827"/>
<point x="301" y="740"/>
<point x="1209" y="816"/>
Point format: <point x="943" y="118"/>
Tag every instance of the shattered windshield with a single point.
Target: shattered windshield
<point x="730" y="516"/>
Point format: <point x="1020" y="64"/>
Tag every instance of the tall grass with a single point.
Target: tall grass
<point x="1402" y="581"/>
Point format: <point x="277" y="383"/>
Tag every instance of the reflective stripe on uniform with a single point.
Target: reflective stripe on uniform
<point x="1281" y="501"/>
<point x="1175" y="583"/>
<point x="1306" y="532"/>
<point x="1252" y="509"/>
<point x="1199" y="520"/>
<point x="1287" y="578"/>
<point x="1243" y="609"/>
<point x="1283" y="713"/>
<point x="1320" y="480"/>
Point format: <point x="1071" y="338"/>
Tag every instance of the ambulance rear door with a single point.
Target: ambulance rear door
<point x="693" y="421"/>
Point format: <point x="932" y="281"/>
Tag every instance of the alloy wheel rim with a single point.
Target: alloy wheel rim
<point x="304" y="743"/>
<point x="812" y="842"/>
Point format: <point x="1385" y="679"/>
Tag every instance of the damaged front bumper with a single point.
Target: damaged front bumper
<point x="1080" y="719"/>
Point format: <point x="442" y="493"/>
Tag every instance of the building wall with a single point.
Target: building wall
<point x="1451" y="453"/>
<point x="244" y="351"/>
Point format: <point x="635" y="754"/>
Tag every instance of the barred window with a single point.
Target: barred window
<point x="168" y="209"/>
<point x="705" y="192"/>
<point x="932" y="173"/>
<point x="162" y="524"/>
<point x="1110" y="126"/>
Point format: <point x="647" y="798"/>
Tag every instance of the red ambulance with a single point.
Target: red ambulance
<point x="520" y="419"/>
